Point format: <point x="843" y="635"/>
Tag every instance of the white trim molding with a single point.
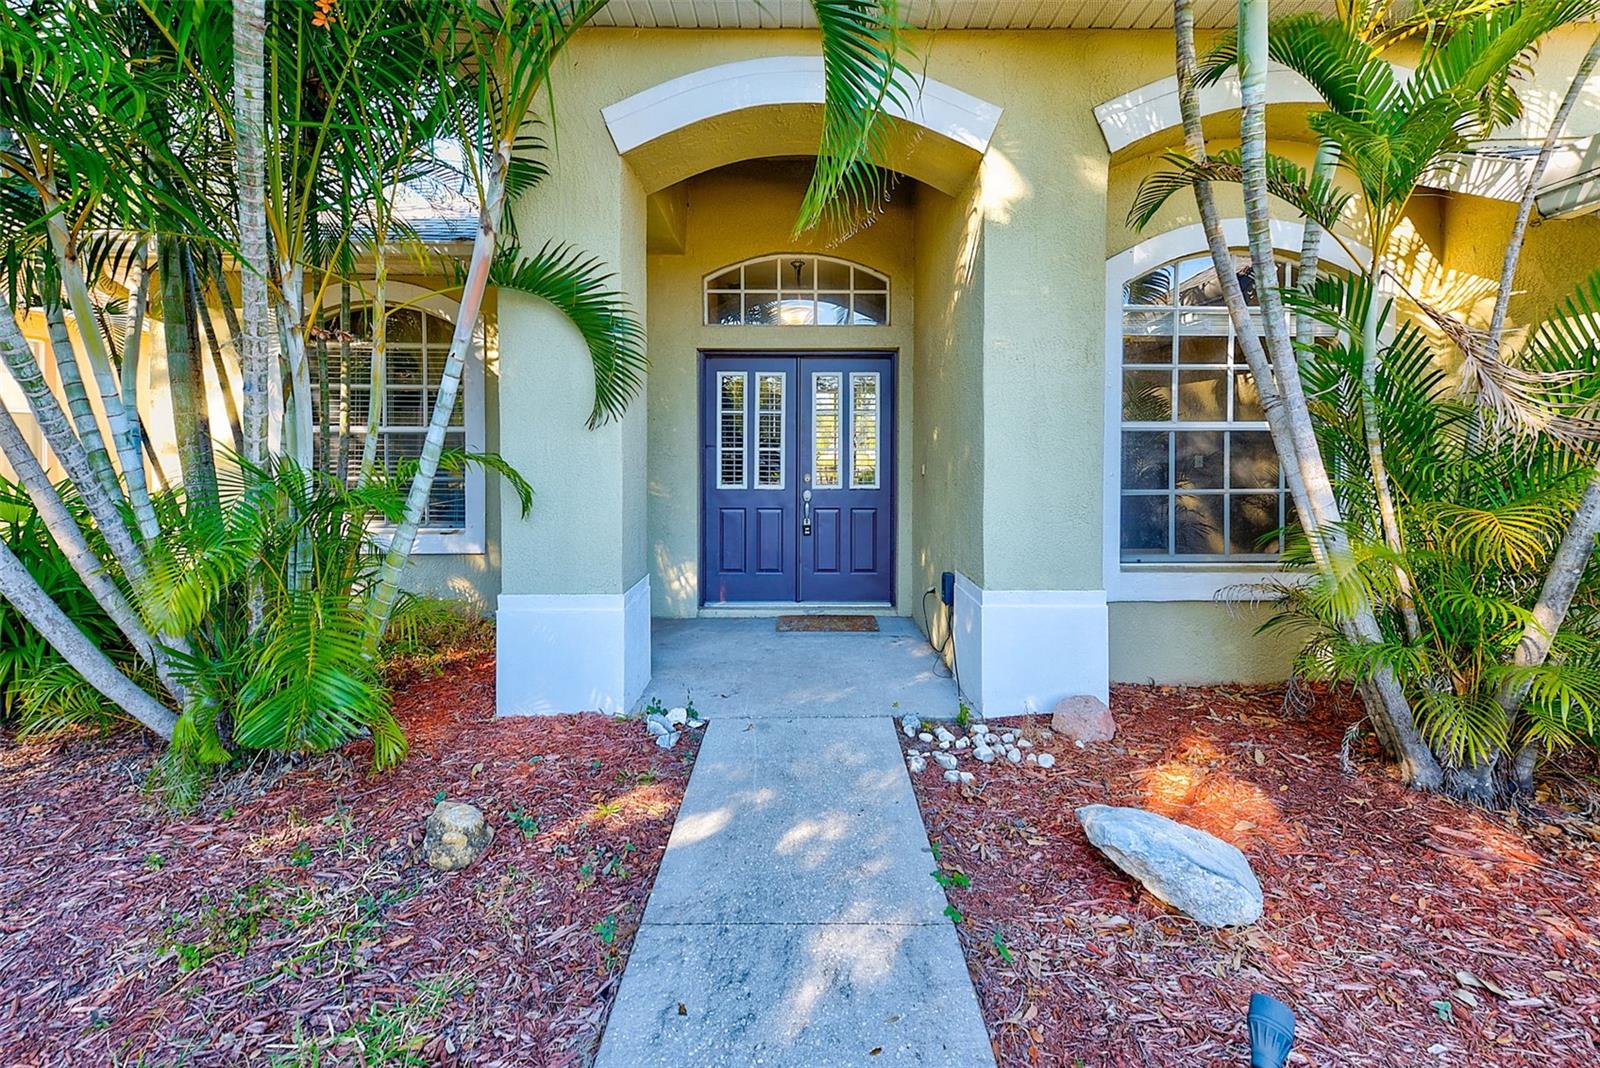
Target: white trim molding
<point x="1021" y="651"/>
<point x="1153" y="108"/>
<point x="776" y="80"/>
<point x="581" y="652"/>
<point x="1169" y="581"/>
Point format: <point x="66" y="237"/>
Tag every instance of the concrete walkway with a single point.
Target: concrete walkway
<point x="794" y="921"/>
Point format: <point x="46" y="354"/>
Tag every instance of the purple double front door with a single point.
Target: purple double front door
<point x="798" y="476"/>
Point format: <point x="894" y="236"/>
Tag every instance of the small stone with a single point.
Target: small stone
<point x="962" y="743"/>
<point x="1023" y="743"/>
<point x="657" y="725"/>
<point x="911" y="724"/>
<point x="1014" y="755"/>
<point x="991" y="737"/>
<point x="454" y="836"/>
<point x="945" y="760"/>
<point x="944" y="745"/>
<point x="1008" y="737"/>
<point x="943" y="735"/>
<point x="917" y="765"/>
<point x="677" y="716"/>
<point x="1032" y="759"/>
<point x="668" y="740"/>
<point x="1083" y="718"/>
<point x="696" y="724"/>
<point x="924" y="737"/>
<point x="1046" y="760"/>
<point x="966" y="776"/>
<point x="952" y="776"/>
<point x="984" y="753"/>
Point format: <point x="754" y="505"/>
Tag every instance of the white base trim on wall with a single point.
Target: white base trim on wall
<point x="581" y="652"/>
<point x="1021" y="651"/>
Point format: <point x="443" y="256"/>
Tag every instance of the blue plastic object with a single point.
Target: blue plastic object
<point x="1271" y="1032"/>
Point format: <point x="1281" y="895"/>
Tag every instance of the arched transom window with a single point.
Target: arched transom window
<point x="1200" y="480"/>
<point x="796" y="290"/>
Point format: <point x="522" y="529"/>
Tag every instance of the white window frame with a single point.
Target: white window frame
<point x="470" y="539"/>
<point x="877" y="437"/>
<point x="1175" y="581"/>
<point x="813" y="290"/>
<point x="745" y="435"/>
<point x="783" y="431"/>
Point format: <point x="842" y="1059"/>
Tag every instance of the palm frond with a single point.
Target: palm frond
<point x="581" y="288"/>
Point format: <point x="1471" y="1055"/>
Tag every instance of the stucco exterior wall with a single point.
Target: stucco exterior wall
<point x="729" y="215"/>
<point x="948" y="431"/>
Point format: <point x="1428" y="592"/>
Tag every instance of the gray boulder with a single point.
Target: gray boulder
<point x="1194" y="872"/>
<point x="455" y="835"/>
<point x="1084" y="719"/>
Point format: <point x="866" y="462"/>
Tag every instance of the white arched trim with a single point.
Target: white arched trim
<point x="777" y="80"/>
<point x="471" y="539"/>
<point x="1152" y="108"/>
<point x="1171" y="582"/>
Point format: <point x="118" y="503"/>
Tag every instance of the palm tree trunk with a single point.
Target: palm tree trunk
<point x="144" y="511"/>
<point x="472" y="290"/>
<point x="1311" y="240"/>
<point x="1386" y="703"/>
<point x="342" y="465"/>
<point x="77" y="289"/>
<point x="219" y="361"/>
<point x="102" y="506"/>
<point x="78" y="406"/>
<point x="25" y="594"/>
<point x="74" y="546"/>
<point x="1372" y="427"/>
<point x="185" y="377"/>
<point x="298" y="427"/>
<point x="379" y="368"/>
<point x="1530" y="194"/>
<point x="250" y="167"/>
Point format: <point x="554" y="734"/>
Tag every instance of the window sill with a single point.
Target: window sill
<point x="437" y="542"/>
<point x="1188" y="582"/>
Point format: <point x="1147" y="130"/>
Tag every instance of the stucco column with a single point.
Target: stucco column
<point x="1034" y="626"/>
<point x="574" y="611"/>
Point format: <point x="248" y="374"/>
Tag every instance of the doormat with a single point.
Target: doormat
<point x="827" y="624"/>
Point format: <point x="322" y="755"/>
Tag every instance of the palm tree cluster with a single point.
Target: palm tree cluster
<point x="1446" y="530"/>
<point x="235" y="171"/>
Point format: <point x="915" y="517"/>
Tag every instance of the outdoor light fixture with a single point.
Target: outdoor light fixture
<point x="1271" y="1032"/>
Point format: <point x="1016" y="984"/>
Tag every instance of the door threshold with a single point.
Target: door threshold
<point x="759" y="609"/>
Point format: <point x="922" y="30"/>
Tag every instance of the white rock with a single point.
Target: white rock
<point x="944" y="745"/>
<point x="952" y="776"/>
<point x="1046" y="760"/>
<point x="962" y="743"/>
<point x="917" y="765"/>
<point x="984" y="753"/>
<point x="910" y="724"/>
<point x="668" y="740"/>
<point x="657" y="725"/>
<point x="1023" y="743"/>
<point x="991" y="737"/>
<point x="1187" y="868"/>
<point x="966" y="776"/>
<point x="1032" y="759"/>
<point x="1008" y="737"/>
<point x="696" y="724"/>
<point x="677" y="716"/>
<point x="924" y="737"/>
<point x="944" y="760"/>
<point x="1014" y="755"/>
<point x="943" y="735"/>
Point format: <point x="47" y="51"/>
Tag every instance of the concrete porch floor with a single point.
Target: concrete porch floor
<point x="794" y="922"/>
<point x="744" y="668"/>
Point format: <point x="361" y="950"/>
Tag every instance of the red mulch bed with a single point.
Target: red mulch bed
<point x="291" y="919"/>
<point x="1402" y="929"/>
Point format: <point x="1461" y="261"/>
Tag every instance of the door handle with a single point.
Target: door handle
<point x="805" y="518"/>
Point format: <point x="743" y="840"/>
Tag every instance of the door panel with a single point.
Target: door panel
<point x="798" y="474"/>
<point x="845" y="461"/>
<point x="748" y="441"/>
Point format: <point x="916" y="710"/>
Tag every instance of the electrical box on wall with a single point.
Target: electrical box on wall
<point x="947" y="588"/>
